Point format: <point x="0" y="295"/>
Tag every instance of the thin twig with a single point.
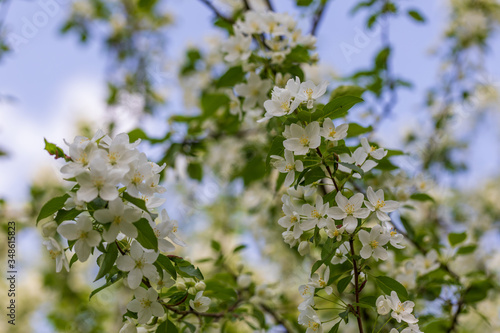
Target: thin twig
<point x="356" y="286"/>
<point x="277" y="318"/>
<point x="317" y="16"/>
<point x="327" y="168"/>
<point x="216" y="11"/>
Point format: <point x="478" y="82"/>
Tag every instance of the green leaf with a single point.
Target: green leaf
<point x="382" y="56"/>
<point x="210" y="103"/>
<point x="347" y="91"/>
<point x="146" y="236"/>
<point x="195" y="171"/>
<point x="74" y="258"/>
<point x="335" y="328"/>
<point x="416" y="15"/>
<point x="167" y="265"/>
<point x="108" y="260"/>
<point x="388" y="284"/>
<point x="52" y="206"/>
<point x="215" y="245"/>
<point x="304" y="3"/>
<point x="110" y="282"/>
<point x="356" y="130"/>
<point x="137" y="134"/>
<point x="233" y="76"/>
<point x="147" y="4"/>
<point x="239" y="248"/>
<point x="187" y="269"/>
<point x="478" y="291"/>
<point x="56" y="151"/>
<point x="409" y="229"/>
<point x="337" y="108"/>
<point x="343" y="283"/>
<point x="421" y="197"/>
<point x="277" y="148"/>
<point x="66" y="215"/>
<point x="299" y="54"/>
<point x="456" y="238"/>
<point x="353" y="167"/>
<point x="135" y="201"/>
<point x="314" y="175"/>
<point x="467" y="249"/>
<point x="368" y="300"/>
<point x="167" y="327"/>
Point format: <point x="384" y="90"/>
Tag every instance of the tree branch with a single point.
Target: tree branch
<point x="277" y="318"/>
<point x="356" y="286"/>
<point x="216" y="11"/>
<point x="317" y="16"/>
<point x="327" y="168"/>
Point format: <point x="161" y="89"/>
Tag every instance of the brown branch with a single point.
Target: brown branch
<point x="269" y="5"/>
<point x="460" y="307"/>
<point x="317" y="16"/>
<point x="277" y="318"/>
<point x="327" y="168"/>
<point x="356" y="286"/>
<point x="217" y="12"/>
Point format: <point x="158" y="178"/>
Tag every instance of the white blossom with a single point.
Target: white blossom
<point x="302" y="139"/>
<point x="139" y="264"/>
<point x="99" y="181"/>
<point x="349" y="210"/>
<point x="377" y="204"/>
<point x="340" y="253"/>
<point x="254" y="91"/>
<point x="84" y="234"/>
<point x="288" y="165"/>
<point x="332" y="133"/>
<point x="146" y="305"/>
<point x="358" y="158"/>
<point x="309" y="92"/>
<point x="120" y="218"/>
<point x="57" y="253"/>
<point x="376" y="153"/>
<point x="200" y="303"/>
<point x="373" y="243"/>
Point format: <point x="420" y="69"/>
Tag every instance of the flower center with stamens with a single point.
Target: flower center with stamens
<point x="309" y="93"/>
<point x="322" y="283"/>
<point x="332" y="133"/>
<point x="145" y="303"/>
<point x="117" y="220"/>
<point x="373" y="148"/>
<point x="393" y="233"/>
<point x="304" y="141"/>
<point x="289" y="167"/>
<point x="98" y="182"/>
<point x="54" y="254"/>
<point x="82" y="234"/>
<point x="137" y="179"/>
<point x="380" y="204"/>
<point x="315" y="214"/>
<point x="349" y="209"/>
<point x="374" y="244"/>
<point x="285" y="106"/>
<point x="139" y="263"/>
<point x="113" y="157"/>
<point x="293" y="219"/>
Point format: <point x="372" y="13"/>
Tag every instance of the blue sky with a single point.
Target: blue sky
<point x="56" y="80"/>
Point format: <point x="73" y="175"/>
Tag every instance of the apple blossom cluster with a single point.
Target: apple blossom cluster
<point x="111" y="209"/>
<point x="276" y="31"/>
<point x="312" y="146"/>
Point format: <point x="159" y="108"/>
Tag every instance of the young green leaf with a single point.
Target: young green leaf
<point x="146" y="236"/>
<point x="108" y="260"/>
<point x="52" y="206"/>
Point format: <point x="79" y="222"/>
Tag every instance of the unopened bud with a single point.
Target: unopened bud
<point x="199" y="286"/>
<point x="49" y="229"/>
<point x="303" y="248"/>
